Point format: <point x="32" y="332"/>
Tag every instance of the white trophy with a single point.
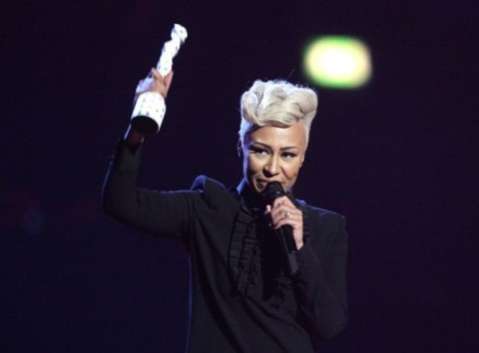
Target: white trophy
<point x="150" y="107"/>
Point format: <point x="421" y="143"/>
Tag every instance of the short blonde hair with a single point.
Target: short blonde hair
<point x="277" y="103"/>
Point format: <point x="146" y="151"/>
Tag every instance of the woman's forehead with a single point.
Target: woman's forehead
<point x="281" y="137"/>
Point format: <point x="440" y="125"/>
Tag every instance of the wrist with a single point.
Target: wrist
<point x="133" y="138"/>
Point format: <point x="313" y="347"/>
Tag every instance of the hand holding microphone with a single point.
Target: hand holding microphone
<point x="282" y="213"/>
<point x="287" y="221"/>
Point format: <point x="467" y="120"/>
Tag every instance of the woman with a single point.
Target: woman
<point x="242" y="298"/>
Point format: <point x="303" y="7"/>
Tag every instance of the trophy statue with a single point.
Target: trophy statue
<point x="150" y="107"/>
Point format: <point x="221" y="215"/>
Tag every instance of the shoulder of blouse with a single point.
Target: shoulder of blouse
<point x="214" y="193"/>
<point x="316" y="218"/>
<point x="318" y="211"/>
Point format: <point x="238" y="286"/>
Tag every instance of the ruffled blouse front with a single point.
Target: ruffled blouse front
<point x="255" y="257"/>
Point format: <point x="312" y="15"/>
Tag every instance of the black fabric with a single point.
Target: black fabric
<point x="242" y="300"/>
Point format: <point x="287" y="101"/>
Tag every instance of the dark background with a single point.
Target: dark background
<point x="398" y="158"/>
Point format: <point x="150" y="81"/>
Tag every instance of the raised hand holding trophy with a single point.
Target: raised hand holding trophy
<point x="150" y="107"/>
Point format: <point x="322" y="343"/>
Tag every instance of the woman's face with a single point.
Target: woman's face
<point x="273" y="154"/>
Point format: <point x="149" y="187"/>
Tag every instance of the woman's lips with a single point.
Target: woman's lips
<point x="262" y="183"/>
<point x="268" y="181"/>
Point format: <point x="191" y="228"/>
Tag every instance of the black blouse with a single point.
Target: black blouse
<point x="241" y="299"/>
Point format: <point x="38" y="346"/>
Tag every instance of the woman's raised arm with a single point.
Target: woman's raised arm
<point x="163" y="213"/>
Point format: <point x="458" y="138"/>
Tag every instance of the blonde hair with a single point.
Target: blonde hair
<point x="277" y="103"/>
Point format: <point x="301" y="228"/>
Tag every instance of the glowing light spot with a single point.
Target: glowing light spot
<point x="337" y="62"/>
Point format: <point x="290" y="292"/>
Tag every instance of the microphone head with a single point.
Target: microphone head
<point x="272" y="191"/>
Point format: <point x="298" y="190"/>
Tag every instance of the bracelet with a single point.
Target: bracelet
<point x="152" y="105"/>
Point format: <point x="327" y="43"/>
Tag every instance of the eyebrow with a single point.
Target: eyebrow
<point x="269" y="147"/>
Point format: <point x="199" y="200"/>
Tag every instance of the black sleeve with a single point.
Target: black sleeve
<point x="162" y="213"/>
<point x="321" y="279"/>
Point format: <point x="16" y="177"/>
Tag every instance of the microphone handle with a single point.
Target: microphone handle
<point x="286" y="239"/>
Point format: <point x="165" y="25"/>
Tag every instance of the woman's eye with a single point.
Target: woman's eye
<point x="259" y="151"/>
<point x="289" y="155"/>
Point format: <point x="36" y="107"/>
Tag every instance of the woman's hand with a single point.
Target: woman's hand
<point x="284" y="212"/>
<point x="154" y="82"/>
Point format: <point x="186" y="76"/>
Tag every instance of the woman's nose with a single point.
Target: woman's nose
<point x="271" y="168"/>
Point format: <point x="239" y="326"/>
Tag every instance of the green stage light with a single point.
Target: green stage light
<point x="337" y="62"/>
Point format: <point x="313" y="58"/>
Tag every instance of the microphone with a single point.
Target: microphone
<point x="284" y="233"/>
